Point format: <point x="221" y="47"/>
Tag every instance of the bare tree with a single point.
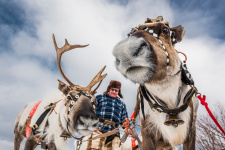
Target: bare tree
<point x="209" y="136"/>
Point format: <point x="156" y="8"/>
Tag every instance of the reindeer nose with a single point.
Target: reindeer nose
<point x="87" y="122"/>
<point x="87" y="110"/>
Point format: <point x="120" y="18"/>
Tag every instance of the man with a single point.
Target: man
<point x="111" y="110"/>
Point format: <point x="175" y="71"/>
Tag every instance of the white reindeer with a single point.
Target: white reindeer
<point x="148" y="57"/>
<point x="74" y="113"/>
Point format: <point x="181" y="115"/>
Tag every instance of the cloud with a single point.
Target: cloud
<point x="28" y="59"/>
<point x="205" y="61"/>
<point x="6" y="144"/>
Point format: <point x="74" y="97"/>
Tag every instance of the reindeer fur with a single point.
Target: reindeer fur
<point x="141" y="59"/>
<point x="74" y="109"/>
<point x="53" y="125"/>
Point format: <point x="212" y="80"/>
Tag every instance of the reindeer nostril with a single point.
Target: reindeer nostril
<point x="117" y="61"/>
<point x="95" y="125"/>
<point x="80" y="121"/>
<point x="139" y="49"/>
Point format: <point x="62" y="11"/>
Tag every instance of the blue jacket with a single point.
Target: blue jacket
<point x="112" y="109"/>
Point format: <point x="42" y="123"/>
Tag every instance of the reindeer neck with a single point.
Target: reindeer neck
<point x="166" y="90"/>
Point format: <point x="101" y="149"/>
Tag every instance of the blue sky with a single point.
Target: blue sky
<point x="27" y="56"/>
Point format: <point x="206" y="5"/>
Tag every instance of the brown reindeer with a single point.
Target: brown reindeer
<point x="73" y="113"/>
<point x="168" y="107"/>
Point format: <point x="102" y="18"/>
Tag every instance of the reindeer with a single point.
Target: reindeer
<point x="148" y="57"/>
<point x="73" y="113"/>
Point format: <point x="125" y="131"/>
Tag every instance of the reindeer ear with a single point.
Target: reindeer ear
<point x="63" y="87"/>
<point x="178" y="33"/>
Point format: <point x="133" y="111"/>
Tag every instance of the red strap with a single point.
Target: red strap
<point x="132" y="116"/>
<point x="133" y="144"/>
<point x="33" y="110"/>
<point x="203" y="102"/>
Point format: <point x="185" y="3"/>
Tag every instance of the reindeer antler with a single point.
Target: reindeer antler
<point x="60" y="51"/>
<point x="151" y="22"/>
<point x="66" y="48"/>
<point x="95" y="80"/>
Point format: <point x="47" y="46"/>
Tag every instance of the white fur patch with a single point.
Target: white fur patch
<point x="168" y="93"/>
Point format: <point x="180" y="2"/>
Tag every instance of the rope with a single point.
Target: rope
<point x="203" y="102"/>
<point x="126" y="124"/>
<point x="114" y="131"/>
<point x="55" y="105"/>
<point x="183" y="54"/>
<point x="57" y="102"/>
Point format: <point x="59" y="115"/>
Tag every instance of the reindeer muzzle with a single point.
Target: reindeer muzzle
<point x="173" y="120"/>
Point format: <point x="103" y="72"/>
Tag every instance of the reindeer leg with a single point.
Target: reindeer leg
<point x="51" y="146"/>
<point x="190" y="141"/>
<point x="148" y="142"/>
<point x="31" y="143"/>
<point x="19" y="131"/>
<point x="148" y="138"/>
<point x="18" y="138"/>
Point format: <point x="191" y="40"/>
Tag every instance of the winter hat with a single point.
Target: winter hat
<point x="114" y="84"/>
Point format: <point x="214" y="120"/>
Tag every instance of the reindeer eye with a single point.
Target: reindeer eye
<point x="69" y="98"/>
<point x="166" y="31"/>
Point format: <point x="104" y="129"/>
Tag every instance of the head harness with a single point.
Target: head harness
<point x="151" y="32"/>
<point x="72" y="103"/>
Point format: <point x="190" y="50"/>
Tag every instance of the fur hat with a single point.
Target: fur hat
<point x="114" y="84"/>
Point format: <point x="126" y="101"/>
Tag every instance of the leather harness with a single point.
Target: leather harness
<point x="108" y="122"/>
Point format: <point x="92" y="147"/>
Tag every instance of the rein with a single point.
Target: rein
<point x="129" y="130"/>
<point x="151" y="32"/>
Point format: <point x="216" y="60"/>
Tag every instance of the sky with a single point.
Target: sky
<point x="28" y="59"/>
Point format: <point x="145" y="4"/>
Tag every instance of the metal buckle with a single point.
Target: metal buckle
<point x="35" y="126"/>
<point x="159" y="109"/>
<point x="79" y="142"/>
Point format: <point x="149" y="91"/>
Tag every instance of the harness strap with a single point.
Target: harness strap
<point x="142" y="105"/>
<point x="163" y="109"/>
<point x="135" y="147"/>
<point x="137" y="106"/>
<point x="73" y="101"/>
<point x="108" y="122"/>
<point x="154" y="98"/>
<point x="115" y="131"/>
<point x="42" y="117"/>
<point x="177" y="110"/>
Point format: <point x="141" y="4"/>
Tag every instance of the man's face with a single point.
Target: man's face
<point x="113" y="92"/>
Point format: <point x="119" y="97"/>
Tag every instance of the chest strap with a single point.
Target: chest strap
<point x="160" y="108"/>
<point x="42" y="117"/>
<point x="108" y="122"/>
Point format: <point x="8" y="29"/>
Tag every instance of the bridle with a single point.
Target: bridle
<point x="72" y="103"/>
<point x="151" y="32"/>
